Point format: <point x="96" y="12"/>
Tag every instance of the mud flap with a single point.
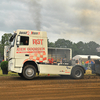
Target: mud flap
<point x="97" y="67"/>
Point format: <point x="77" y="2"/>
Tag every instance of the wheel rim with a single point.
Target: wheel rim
<point x="78" y="73"/>
<point x="29" y="72"/>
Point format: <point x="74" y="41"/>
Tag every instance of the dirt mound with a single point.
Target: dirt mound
<point x="91" y="77"/>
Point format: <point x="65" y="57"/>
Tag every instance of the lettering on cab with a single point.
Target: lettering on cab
<point x="38" y="41"/>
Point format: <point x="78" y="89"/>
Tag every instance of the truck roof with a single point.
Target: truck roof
<point x="31" y="33"/>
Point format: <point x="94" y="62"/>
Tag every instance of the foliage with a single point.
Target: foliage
<point x="62" y="43"/>
<point x="51" y="44"/>
<point x="4" y="41"/>
<point x="4" y="65"/>
<point x="79" y="48"/>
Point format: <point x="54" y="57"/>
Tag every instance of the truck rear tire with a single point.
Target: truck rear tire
<point x="29" y="72"/>
<point x="77" y="73"/>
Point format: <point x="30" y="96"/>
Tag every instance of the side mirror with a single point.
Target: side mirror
<point x="18" y="40"/>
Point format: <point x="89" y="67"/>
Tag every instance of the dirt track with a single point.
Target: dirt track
<point x="43" y="88"/>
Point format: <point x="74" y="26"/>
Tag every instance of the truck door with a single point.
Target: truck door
<point x="21" y="51"/>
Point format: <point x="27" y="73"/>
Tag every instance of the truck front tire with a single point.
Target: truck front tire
<point x="77" y="73"/>
<point x="29" y="72"/>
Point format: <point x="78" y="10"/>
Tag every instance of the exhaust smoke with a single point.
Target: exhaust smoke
<point x="35" y="9"/>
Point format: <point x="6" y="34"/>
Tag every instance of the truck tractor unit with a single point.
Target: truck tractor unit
<point x="29" y="54"/>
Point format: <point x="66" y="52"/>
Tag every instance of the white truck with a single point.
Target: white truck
<point x="28" y="55"/>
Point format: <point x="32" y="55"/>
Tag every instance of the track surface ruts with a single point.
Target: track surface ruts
<point x="51" y="88"/>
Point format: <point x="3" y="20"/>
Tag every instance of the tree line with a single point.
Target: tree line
<point x="79" y="48"/>
<point x="4" y="42"/>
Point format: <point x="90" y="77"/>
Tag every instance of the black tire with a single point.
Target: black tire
<point x="29" y="72"/>
<point x="20" y="74"/>
<point x="77" y="73"/>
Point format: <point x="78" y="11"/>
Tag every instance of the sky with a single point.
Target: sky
<point x="74" y="20"/>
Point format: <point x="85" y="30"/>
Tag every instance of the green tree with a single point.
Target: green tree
<point x="62" y="43"/>
<point x="74" y="49"/>
<point x="68" y="44"/>
<point x="51" y="44"/>
<point x="90" y="48"/>
<point x="80" y="47"/>
<point x="5" y="41"/>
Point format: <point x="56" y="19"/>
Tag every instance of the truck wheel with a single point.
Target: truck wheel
<point x="77" y="73"/>
<point x="29" y="72"/>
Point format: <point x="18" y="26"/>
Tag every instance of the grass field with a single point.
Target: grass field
<point x="9" y="74"/>
<point x="88" y="72"/>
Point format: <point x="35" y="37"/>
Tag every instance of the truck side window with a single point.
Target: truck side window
<point x="24" y="40"/>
